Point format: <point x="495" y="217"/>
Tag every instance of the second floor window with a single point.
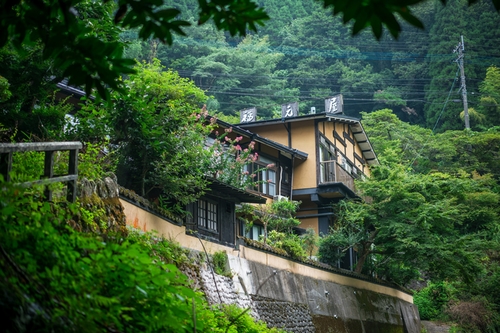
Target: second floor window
<point x="265" y="175"/>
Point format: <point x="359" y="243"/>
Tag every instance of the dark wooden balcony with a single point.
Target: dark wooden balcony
<point x="331" y="172"/>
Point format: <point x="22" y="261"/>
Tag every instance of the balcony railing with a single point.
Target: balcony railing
<point x="332" y="172"/>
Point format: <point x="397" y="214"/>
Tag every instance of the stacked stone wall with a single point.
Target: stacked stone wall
<point x="292" y="317"/>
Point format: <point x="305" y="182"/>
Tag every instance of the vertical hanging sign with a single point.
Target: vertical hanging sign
<point x="290" y="110"/>
<point x="334" y="104"/>
<point x="248" y="115"/>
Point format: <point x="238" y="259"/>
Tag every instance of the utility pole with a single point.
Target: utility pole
<point x="460" y="61"/>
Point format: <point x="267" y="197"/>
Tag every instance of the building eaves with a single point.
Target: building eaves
<point x="232" y="193"/>
<point x="69" y="90"/>
<point x="355" y="124"/>
<point x="257" y="138"/>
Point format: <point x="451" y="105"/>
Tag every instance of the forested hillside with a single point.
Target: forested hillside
<point x="304" y="54"/>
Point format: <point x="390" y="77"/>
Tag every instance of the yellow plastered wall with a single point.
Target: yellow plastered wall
<point x="311" y="222"/>
<point x="304" y="139"/>
<point x="276" y="133"/>
<point x="145" y="221"/>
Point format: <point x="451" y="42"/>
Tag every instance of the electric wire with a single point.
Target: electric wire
<point x="437" y="121"/>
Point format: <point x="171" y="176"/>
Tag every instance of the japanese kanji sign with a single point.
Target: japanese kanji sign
<point x="248" y="115"/>
<point x="334" y="104"/>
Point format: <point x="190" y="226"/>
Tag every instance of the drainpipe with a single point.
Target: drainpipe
<point x="287" y="127"/>
<point x="281" y="179"/>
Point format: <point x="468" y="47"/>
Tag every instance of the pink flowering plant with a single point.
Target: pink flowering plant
<point x="229" y="161"/>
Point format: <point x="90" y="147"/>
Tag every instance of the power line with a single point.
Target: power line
<point x="438" y="119"/>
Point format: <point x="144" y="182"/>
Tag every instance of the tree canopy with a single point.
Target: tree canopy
<point x="431" y="206"/>
<point x="89" y="54"/>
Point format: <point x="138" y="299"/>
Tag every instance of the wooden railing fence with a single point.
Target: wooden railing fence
<point x="8" y="149"/>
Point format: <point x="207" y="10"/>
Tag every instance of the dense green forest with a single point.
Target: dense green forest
<point x="434" y="214"/>
<point x="304" y="54"/>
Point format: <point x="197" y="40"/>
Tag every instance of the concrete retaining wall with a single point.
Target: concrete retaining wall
<point x="294" y="296"/>
<point x="289" y="299"/>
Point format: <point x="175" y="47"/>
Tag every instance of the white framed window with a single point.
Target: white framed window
<point x="264" y="176"/>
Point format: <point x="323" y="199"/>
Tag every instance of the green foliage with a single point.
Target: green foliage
<point x="278" y="216"/>
<point x="94" y="163"/>
<point x="374" y="14"/>
<point x="157" y="132"/>
<point x="449" y="179"/>
<point x="333" y="246"/>
<point x="231" y="319"/>
<point x="29" y="82"/>
<point x="425" y="152"/>
<point x="390" y="96"/>
<point x="92" y="216"/>
<point x="225" y="71"/>
<point x="96" y="55"/>
<point x="310" y="240"/>
<point x="42" y="120"/>
<point x="292" y="244"/>
<point x="490" y="96"/>
<point x="5" y="93"/>
<point x="229" y="159"/>
<point x="55" y="279"/>
<point x="247" y="213"/>
<point x="219" y="261"/>
<point x="81" y="281"/>
<point x="433" y="299"/>
<point x="449" y="24"/>
<point x="424" y="221"/>
<point x="233" y="16"/>
<point x="160" y="249"/>
<point x="283" y="219"/>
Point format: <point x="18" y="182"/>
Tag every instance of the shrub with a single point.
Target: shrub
<point x="232" y="319"/>
<point x="54" y="279"/>
<point x="292" y="244"/>
<point x="310" y="240"/>
<point x="219" y="260"/>
<point x="474" y="315"/>
<point x="330" y="248"/>
<point x="432" y="300"/>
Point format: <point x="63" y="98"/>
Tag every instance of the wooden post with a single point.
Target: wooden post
<point x="48" y="172"/>
<point x="72" y="170"/>
<point x="6" y="165"/>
